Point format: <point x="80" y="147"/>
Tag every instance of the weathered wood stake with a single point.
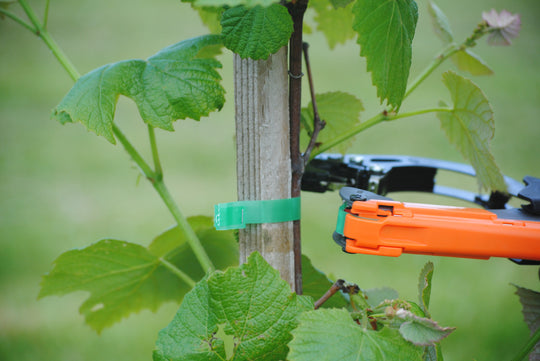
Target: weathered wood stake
<point x="263" y="154"/>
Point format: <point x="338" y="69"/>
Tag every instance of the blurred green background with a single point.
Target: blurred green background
<point x="62" y="187"/>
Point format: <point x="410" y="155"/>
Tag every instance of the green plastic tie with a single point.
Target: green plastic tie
<point x="235" y="215"/>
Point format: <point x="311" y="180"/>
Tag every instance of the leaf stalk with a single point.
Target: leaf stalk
<point x="159" y="186"/>
<point x="182" y="275"/>
<point x="527" y="348"/>
<point x="158" y="170"/>
<point x="46" y="14"/>
<point x="17" y="19"/>
<point x="381" y="117"/>
<point x="438" y="60"/>
<point x="182" y="222"/>
<point x="134" y="154"/>
<point x="41" y="31"/>
<point x="446" y="53"/>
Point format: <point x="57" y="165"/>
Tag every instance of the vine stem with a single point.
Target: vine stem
<point x="154" y="176"/>
<point x="528" y="346"/>
<point x="41" y="31"/>
<point x="159" y="186"/>
<point x="381" y="117"/>
<point x="182" y="222"/>
<point x="438" y="60"/>
<point x="297" y="10"/>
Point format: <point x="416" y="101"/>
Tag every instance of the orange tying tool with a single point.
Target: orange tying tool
<point x="370" y="223"/>
<point x="389" y="228"/>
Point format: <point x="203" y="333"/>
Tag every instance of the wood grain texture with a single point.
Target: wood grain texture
<point x="263" y="155"/>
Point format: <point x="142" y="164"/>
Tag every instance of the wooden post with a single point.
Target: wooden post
<point x="263" y="154"/>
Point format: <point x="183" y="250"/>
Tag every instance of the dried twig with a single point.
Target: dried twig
<point x="338" y="285"/>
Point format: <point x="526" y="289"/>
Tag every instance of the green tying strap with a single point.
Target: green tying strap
<point x="236" y="215"/>
<point x="341" y="219"/>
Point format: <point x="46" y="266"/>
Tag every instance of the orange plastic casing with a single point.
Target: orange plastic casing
<point x="391" y="228"/>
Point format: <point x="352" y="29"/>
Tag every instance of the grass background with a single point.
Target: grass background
<point x="62" y="187"/>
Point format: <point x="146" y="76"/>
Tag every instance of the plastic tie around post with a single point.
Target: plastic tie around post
<point x="236" y="215"/>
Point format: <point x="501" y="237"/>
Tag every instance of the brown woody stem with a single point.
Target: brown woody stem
<point x="338" y="285"/>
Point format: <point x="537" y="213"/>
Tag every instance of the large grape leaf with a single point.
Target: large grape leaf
<point x="251" y="303"/>
<point x="341" y="112"/>
<point x="385" y="33"/>
<point x="334" y="21"/>
<point x="123" y="277"/>
<point x="256" y="32"/>
<point x="331" y="334"/>
<point x="530" y="301"/>
<point x="469" y="125"/>
<point x="172" y="84"/>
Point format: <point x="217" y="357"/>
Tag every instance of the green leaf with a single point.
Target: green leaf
<point x="385" y="34"/>
<point x="440" y="23"/>
<point x="256" y="32"/>
<point x="375" y="296"/>
<point x="340" y="110"/>
<point x="251" y="303"/>
<point x="334" y="20"/>
<point x="123" y="278"/>
<point x="530" y="301"/>
<point x="469" y="125"/>
<point x="173" y="84"/>
<point x="424" y="287"/>
<point x="315" y="284"/>
<point x="191" y="334"/>
<point x="331" y="334"/>
<point x="466" y="60"/>
<point x="233" y="3"/>
<point x="421" y="331"/>
<point x="210" y="17"/>
<point x="415" y="308"/>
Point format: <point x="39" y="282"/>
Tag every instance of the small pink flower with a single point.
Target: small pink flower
<point x="503" y="26"/>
